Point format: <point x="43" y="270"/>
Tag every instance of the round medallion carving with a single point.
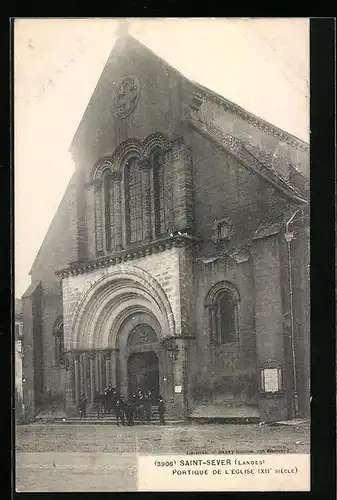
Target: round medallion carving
<point x="126" y="96"/>
<point x="141" y="335"/>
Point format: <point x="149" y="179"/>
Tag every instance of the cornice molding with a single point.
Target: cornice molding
<point x="118" y="257"/>
<point x="235" y="148"/>
<point x="205" y="95"/>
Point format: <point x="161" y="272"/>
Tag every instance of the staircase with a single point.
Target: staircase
<point x="110" y="418"/>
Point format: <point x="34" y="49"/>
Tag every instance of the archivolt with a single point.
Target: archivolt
<point x="108" y="302"/>
<point x="129" y="147"/>
<point x="219" y="287"/>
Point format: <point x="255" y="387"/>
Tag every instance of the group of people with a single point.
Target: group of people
<point x="138" y="406"/>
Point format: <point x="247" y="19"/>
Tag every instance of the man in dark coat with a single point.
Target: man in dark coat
<point x="148" y="401"/>
<point x="129" y="411"/>
<point x="140" y="406"/>
<point x="82" y="406"/>
<point x="98" y="403"/>
<point x="119" y="410"/>
<point x="161" y="410"/>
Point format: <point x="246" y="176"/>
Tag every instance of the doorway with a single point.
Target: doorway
<point x="143" y="372"/>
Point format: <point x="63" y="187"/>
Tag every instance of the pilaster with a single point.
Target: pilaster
<point x="269" y="325"/>
<point x="182" y="184"/>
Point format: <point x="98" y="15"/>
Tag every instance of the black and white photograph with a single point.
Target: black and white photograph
<point x="162" y="254"/>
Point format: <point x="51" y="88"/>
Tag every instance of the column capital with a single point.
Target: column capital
<point x="144" y="163"/>
<point x="97" y="183"/>
<point x="116" y="176"/>
<point x="210" y="306"/>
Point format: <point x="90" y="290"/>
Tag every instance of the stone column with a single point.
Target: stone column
<point x="85" y="366"/>
<point x="92" y="376"/>
<point x="108" y="367"/>
<point x="98" y="217"/>
<point x="113" y="364"/>
<point x="81" y="373"/>
<point x="146" y="192"/>
<point x="117" y="210"/>
<point x="77" y="379"/>
<point x="103" y="370"/>
<point x="69" y="383"/>
<point x="97" y="374"/>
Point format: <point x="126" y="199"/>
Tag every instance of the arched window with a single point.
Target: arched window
<point x="226" y="318"/>
<point x="162" y="194"/>
<point x="108" y="211"/>
<point x="222" y="304"/>
<point x="59" y="341"/>
<point x="134" y="201"/>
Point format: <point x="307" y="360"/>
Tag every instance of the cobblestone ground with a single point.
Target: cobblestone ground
<point x="104" y="457"/>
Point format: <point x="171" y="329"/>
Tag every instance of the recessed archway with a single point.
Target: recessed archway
<point x="110" y="300"/>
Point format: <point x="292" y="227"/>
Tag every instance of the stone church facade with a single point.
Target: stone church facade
<point x="178" y="259"/>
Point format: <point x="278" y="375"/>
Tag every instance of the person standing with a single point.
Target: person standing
<point x="82" y="406"/>
<point x="148" y="400"/>
<point x="129" y="412"/>
<point x="98" y="404"/>
<point x="119" y="411"/>
<point x="141" y="408"/>
<point x="161" y="410"/>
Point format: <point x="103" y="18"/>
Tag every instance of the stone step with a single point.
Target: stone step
<point x="224" y="420"/>
<point x="112" y="421"/>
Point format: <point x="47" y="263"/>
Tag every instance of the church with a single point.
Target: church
<point x="178" y="259"/>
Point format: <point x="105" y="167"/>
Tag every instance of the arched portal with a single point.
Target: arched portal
<point x="124" y="313"/>
<point x="110" y="300"/>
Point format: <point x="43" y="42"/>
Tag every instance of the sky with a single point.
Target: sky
<point x="260" y="64"/>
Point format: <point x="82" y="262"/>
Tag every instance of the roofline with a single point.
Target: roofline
<point x="255" y="120"/>
<point x="31" y="289"/>
<point x="269" y="127"/>
<point x="266" y="175"/>
<point x="52" y="223"/>
<point x="72" y="144"/>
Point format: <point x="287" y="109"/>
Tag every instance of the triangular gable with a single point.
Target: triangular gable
<point x="194" y="90"/>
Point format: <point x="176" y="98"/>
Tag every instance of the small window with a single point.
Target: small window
<point x="226" y="318"/>
<point x="222" y="230"/>
<point x="17" y="329"/>
<point x="222" y="305"/>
